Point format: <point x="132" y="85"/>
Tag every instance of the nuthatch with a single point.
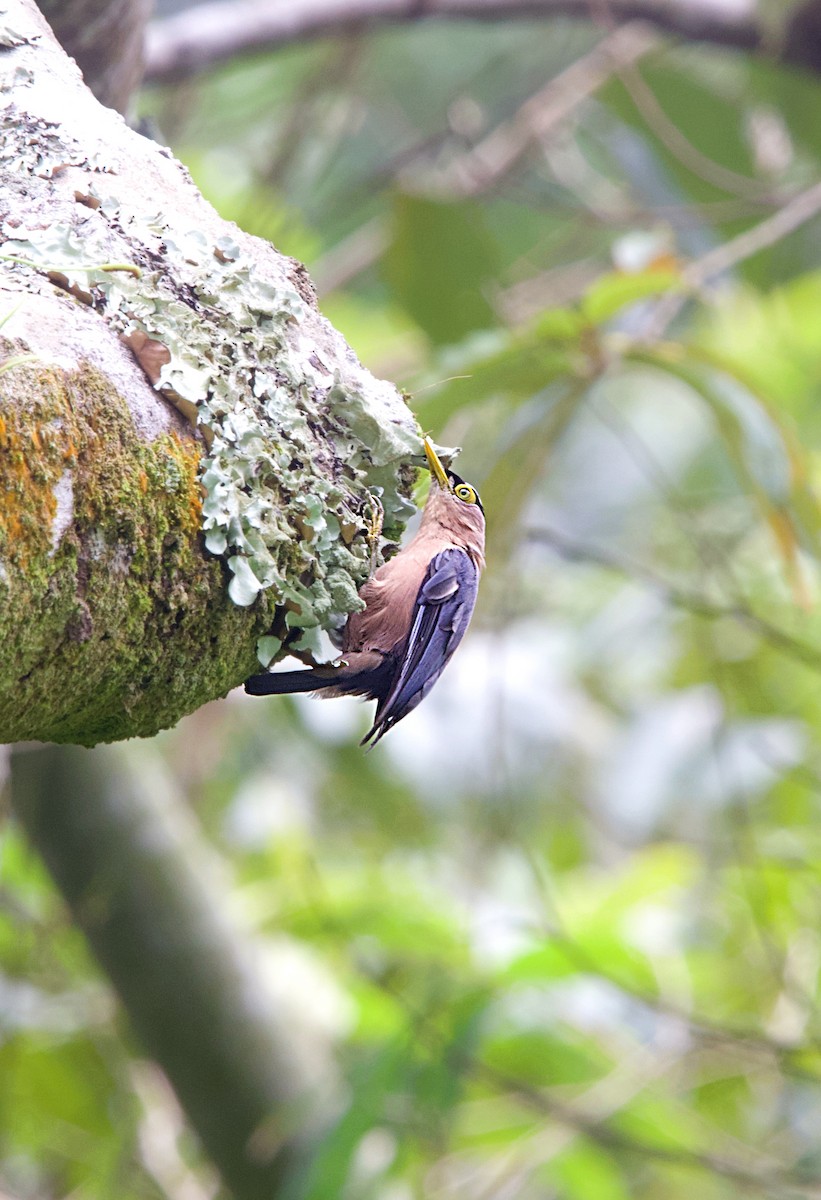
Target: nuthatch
<point x="417" y="608"/>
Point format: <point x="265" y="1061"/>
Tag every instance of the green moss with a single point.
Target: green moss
<point x="125" y="623"/>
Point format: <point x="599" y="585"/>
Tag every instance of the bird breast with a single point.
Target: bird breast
<point x="390" y="598"/>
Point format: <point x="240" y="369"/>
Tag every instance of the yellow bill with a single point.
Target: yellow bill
<point x="435" y="464"/>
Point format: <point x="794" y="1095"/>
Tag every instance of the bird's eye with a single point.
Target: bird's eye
<point x="465" y="492"/>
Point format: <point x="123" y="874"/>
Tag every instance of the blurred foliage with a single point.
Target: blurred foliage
<point x="568" y="913"/>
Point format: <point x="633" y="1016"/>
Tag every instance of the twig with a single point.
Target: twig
<point x="350" y="257"/>
<point x="588" y="1115"/>
<point x="496" y="154"/>
<point x="772" y="229"/>
<point x="803" y="652"/>
<point x="680" y="146"/>
<point x="667" y="132"/>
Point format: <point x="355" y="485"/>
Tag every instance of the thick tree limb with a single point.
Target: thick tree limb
<point x="255" y="1078"/>
<point x="212" y="32"/>
<point x="140" y="558"/>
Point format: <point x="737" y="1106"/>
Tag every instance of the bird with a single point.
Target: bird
<point x="418" y="606"/>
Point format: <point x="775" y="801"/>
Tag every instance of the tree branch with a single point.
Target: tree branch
<point x="105" y="38"/>
<point x="485" y="164"/>
<point x="797" y="211"/>
<point x="213" y="32"/>
<point x="143" y="555"/>
<point x="256" y="1081"/>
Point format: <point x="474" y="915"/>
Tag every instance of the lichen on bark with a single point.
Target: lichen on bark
<point x="293" y="444"/>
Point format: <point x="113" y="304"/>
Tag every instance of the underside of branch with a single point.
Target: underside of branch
<point x="166" y="506"/>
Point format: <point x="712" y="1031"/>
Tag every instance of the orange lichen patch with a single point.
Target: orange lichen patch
<point x="118" y="481"/>
<point x="30" y="466"/>
<point x="176" y="467"/>
<point x="195" y="493"/>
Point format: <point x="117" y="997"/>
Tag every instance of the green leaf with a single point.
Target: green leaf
<point x="617" y="290"/>
<point x="756" y="446"/>
<point x="707" y="115"/>
<point x="542" y="1058"/>
<point x="440" y="264"/>
<point x="586" y="1172"/>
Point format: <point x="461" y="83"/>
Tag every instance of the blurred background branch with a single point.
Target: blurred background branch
<point x="206" y="34"/>
<point x="200" y="994"/>
<point x="106" y="38"/>
<point x="210" y="33"/>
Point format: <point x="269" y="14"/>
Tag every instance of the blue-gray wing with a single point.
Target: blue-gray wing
<point x="444" y="606"/>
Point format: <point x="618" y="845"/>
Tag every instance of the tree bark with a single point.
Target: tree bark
<point x="144" y="553"/>
<point x="254" y="1076"/>
<point x="105" y="38"/>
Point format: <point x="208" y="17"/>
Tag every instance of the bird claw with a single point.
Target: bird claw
<point x="373" y="526"/>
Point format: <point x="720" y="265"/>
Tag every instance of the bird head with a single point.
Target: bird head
<point x="455" y="506"/>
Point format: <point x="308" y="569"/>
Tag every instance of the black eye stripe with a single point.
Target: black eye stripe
<point x="458" y="482"/>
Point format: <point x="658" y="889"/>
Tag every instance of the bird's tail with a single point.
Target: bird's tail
<point x="363" y="673"/>
<point x="280" y="683"/>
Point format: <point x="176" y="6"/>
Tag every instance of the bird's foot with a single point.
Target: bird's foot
<point x="373" y="527"/>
